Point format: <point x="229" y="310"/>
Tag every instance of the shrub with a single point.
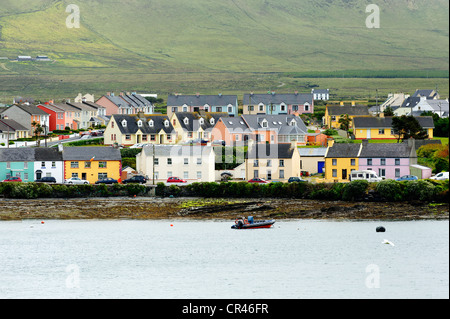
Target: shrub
<point x="390" y="190"/>
<point x="421" y="190"/>
<point x="355" y="190"/>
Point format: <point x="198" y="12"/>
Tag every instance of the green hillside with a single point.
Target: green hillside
<point x="132" y="41"/>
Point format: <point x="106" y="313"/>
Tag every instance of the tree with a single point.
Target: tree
<point x="37" y="132"/>
<point x="406" y="127"/>
<point x="388" y="111"/>
<point x="345" y="121"/>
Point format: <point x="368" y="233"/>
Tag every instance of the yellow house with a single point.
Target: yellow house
<point x="92" y="163"/>
<point x="381" y="127"/>
<point x="334" y="112"/>
<point x="133" y="129"/>
<point x="272" y="162"/>
<point x="340" y="160"/>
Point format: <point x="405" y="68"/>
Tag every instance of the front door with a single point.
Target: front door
<point x="344" y="174"/>
<point x="83" y="176"/>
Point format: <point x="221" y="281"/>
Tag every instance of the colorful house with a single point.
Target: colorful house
<point x="125" y="103"/>
<point x="388" y="160"/>
<point x="381" y="127"/>
<point x="56" y="116"/>
<point x="340" y="160"/>
<point x="334" y="112"/>
<point x="92" y="163"/>
<point x="278" y="104"/>
<point x="17" y="162"/>
<point x="26" y="114"/>
<point x="128" y="130"/>
<point x="197" y="103"/>
<point x="194" y="126"/>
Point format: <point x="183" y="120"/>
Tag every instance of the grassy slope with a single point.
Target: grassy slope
<point x="175" y="45"/>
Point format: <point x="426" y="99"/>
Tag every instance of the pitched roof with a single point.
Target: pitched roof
<point x="191" y="121"/>
<point x="87" y="153"/>
<point x="176" y="150"/>
<point x="312" y="151"/>
<point x="275" y="98"/>
<point x="201" y="100"/>
<point x="24" y="154"/>
<point x="133" y="119"/>
<point x="11" y="125"/>
<point x="343" y="150"/>
<point x="386" y="122"/>
<point x="274" y="122"/>
<point x="262" y="151"/>
<point x="346" y="109"/>
<point x="385" y="150"/>
<point x="31" y="109"/>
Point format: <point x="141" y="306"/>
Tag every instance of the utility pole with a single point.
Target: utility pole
<point x="153" y="164"/>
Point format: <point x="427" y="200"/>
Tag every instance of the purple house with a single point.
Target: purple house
<point x="389" y="160"/>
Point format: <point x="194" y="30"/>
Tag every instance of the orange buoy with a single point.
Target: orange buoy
<point x="42" y="222"/>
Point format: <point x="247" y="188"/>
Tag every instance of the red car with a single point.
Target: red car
<point x="174" y="179"/>
<point x="13" y="179"/>
<point x="257" y="180"/>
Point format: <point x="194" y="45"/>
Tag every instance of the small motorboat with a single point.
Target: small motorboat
<point x="243" y="223"/>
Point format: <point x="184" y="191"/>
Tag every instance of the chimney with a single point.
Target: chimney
<point x="342" y="103"/>
<point x="330" y="142"/>
<point x="108" y="93"/>
<point x="353" y="103"/>
<point x="365" y="142"/>
<point x="296" y="92"/>
<point x="197" y="94"/>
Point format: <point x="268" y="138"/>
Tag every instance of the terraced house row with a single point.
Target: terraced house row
<point x="87" y="163"/>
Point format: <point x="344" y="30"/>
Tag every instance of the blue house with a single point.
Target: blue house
<point x="17" y="162"/>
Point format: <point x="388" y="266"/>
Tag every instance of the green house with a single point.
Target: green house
<point x="17" y="162"/>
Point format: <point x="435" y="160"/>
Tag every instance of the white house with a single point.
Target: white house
<point x="48" y="162"/>
<point x="191" y="163"/>
<point x="321" y="94"/>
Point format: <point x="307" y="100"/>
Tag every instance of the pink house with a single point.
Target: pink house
<point x="388" y="160"/>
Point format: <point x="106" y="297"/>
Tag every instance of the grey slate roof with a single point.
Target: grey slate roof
<point x="410" y="102"/>
<point x="342" y="150"/>
<point x="388" y="150"/>
<point x="201" y="100"/>
<point x="312" y="151"/>
<point x="288" y="99"/>
<point x="31" y="109"/>
<point x="345" y="109"/>
<point x="132" y="123"/>
<point x="262" y="151"/>
<point x="275" y="122"/>
<point x="24" y="154"/>
<point x="193" y="120"/>
<point x="386" y="122"/>
<point x="430" y="94"/>
<point x="86" y="153"/>
<point x="11" y="125"/>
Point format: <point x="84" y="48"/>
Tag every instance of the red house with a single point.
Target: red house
<point x="57" y="120"/>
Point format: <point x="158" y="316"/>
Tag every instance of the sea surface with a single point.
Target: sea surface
<point x="178" y="259"/>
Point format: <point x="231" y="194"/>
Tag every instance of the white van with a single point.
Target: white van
<point x="367" y="175"/>
<point x="442" y="176"/>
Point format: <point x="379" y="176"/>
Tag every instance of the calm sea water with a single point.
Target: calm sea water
<point x="175" y="259"/>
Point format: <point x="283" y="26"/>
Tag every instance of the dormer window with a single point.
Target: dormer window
<point x="212" y="121"/>
<point x="264" y="123"/>
<point x="186" y="121"/>
<point x="139" y="123"/>
<point x="124" y="123"/>
<point x="293" y="123"/>
<point x="151" y="123"/>
<point x="201" y="121"/>
<point x="166" y="123"/>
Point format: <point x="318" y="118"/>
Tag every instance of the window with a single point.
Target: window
<point x="381" y="172"/>
<point x="281" y="173"/>
<point x="87" y="164"/>
<point x="75" y="175"/>
<point x="306" y="107"/>
<point x="397" y="172"/>
<point x="269" y="163"/>
<point x="255" y="163"/>
<point x="102" y="164"/>
<point x="169" y="174"/>
<point x="169" y="161"/>
<point x="102" y="176"/>
<point x="352" y="162"/>
<point x="186" y="161"/>
<point x="152" y="137"/>
<point x="169" y="137"/>
<point x="25" y="165"/>
<point x="230" y="109"/>
<point x="255" y="174"/>
<point x="381" y="131"/>
<point x="139" y="123"/>
<point x="185" y="174"/>
<point x="261" y="107"/>
<point x="43" y="164"/>
<point x="264" y="123"/>
<point x="219" y="109"/>
<point x="199" y="175"/>
<point x="151" y="123"/>
<point x="281" y="163"/>
<point x="73" y="165"/>
<point x="397" y="161"/>
<point x="383" y="161"/>
<point x="369" y="161"/>
<point x="144" y="137"/>
<point x="53" y="164"/>
<point x="25" y="176"/>
<point x="199" y="161"/>
<point x="156" y="161"/>
<point x="295" y="108"/>
<point x="334" y="172"/>
<point x="334" y="162"/>
<point x="269" y="175"/>
<point x="124" y="123"/>
<point x="251" y="108"/>
<point x="236" y="137"/>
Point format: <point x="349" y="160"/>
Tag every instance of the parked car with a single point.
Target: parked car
<point x="75" y="180"/>
<point x="139" y="145"/>
<point x="295" y="179"/>
<point x="407" y="178"/>
<point x="257" y="180"/>
<point x="13" y="179"/>
<point x="174" y="179"/>
<point x="136" y="179"/>
<point x="441" y="176"/>
<point x="107" y="180"/>
<point x="46" y="180"/>
<point x="367" y="175"/>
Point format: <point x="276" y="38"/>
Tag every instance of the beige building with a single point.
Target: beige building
<point x="191" y="163"/>
<point x="312" y="160"/>
<point x="272" y="162"/>
<point x="133" y="129"/>
<point x="194" y="125"/>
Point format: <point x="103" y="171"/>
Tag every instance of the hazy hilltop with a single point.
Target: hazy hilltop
<point x="230" y="35"/>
